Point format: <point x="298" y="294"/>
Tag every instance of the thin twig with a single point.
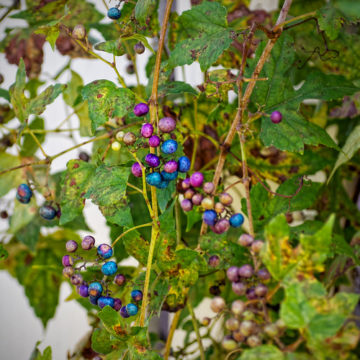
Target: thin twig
<point x="196" y="329"/>
<point x="173" y="327"/>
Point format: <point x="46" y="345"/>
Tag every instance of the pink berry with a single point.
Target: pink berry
<point x="276" y="117"/>
<point x="226" y="199"/>
<point x="208" y="187"/>
<point x="167" y="124"/>
<point x="136" y="169"/>
<point x="221" y="226"/>
<point x="196" y="199"/>
<point x="186" y="205"/>
<point x="189" y="193"/>
<point x="171" y="166"/>
<point x="154" y="141"/>
<point x="147" y="130"/>
<point x="196" y="179"/>
<point x="245" y="240"/>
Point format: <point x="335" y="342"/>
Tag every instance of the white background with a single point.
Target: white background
<point x="20" y="329"/>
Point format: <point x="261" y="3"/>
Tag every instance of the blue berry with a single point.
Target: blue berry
<point x="93" y="299"/>
<point x="163" y="185"/>
<point x="236" y="220"/>
<point x="132" y="309"/>
<point x="47" y="212"/>
<point x="109" y="268"/>
<point x="105" y="301"/>
<point x="124" y="313"/>
<point x="169" y="146"/>
<point x="184" y="164"/>
<point x="114" y="13"/>
<point x="22" y="199"/>
<point x="24" y="191"/>
<point x="169" y="176"/>
<point x="153" y="179"/>
<point x="210" y="217"/>
<point x="137" y="295"/>
<point x="95" y="289"/>
<point x="105" y="251"/>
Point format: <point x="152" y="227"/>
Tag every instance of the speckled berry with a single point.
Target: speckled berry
<point x="120" y="279"/>
<point x="136" y="169"/>
<point x="226" y="199"/>
<point x="105" y="251"/>
<point x="124" y="313"/>
<point x="261" y="290"/>
<point x="169" y="146"/>
<point x="24" y="191"/>
<point x="251" y="294"/>
<point x="147" y="130"/>
<point x="83" y="290"/>
<point x="238" y="336"/>
<point x="208" y="187"/>
<point x="109" y="268"/>
<point x="114" y="13"/>
<point x="232" y="273"/>
<point x="238" y="307"/>
<point x="184" y="164"/>
<point x="207" y="203"/>
<point x="132" y="309"/>
<point x="232" y="324"/>
<point x="239" y="288"/>
<point x="171" y="166"/>
<point x="47" y="212"/>
<point x="236" y="220"/>
<point x="139" y="48"/>
<point x="67" y="260"/>
<point x="189" y="193"/>
<point x="214" y="261"/>
<point x="247" y="327"/>
<point x="79" y="32"/>
<point x="185" y="184"/>
<point x="276" y="117"/>
<point x="209" y="217"/>
<point x="263" y="274"/>
<point x="246" y="271"/>
<point x="152" y="160"/>
<point x="88" y="242"/>
<point x="167" y="124"/>
<point x="153" y="179"/>
<point x="245" y="240"/>
<point x="129" y="138"/>
<point x="117" y="304"/>
<point x="196" y="179"/>
<point x="217" y="304"/>
<point x="120" y="136"/>
<point x="105" y="301"/>
<point x="169" y="176"/>
<point x="197" y="199"/>
<point x="186" y="205"/>
<point x="68" y="271"/>
<point x="137" y="295"/>
<point x="154" y="141"/>
<point x="219" y="207"/>
<point x="253" y="341"/>
<point x="221" y="226"/>
<point x="76" y="279"/>
<point x="23" y="200"/>
<point x="95" y="289"/>
<point x="71" y="246"/>
<point x="256" y="246"/>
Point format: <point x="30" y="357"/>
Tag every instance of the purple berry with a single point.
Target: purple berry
<point x="139" y="47"/>
<point x="124" y="313"/>
<point x="68" y="271"/>
<point x="105" y="251"/>
<point x="93" y="299"/>
<point x="246" y="271"/>
<point x="261" y="290"/>
<point x="251" y="294"/>
<point x="189" y="194"/>
<point x="83" y="290"/>
<point x="196" y="179"/>
<point x="137" y="295"/>
<point x="88" y="242"/>
<point x="221" y="226"/>
<point x="141" y="109"/>
<point x="167" y="124"/>
<point x="154" y="141"/>
<point x="147" y="130"/>
<point x="117" y="304"/>
<point x="185" y="184"/>
<point x="71" y="246"/>
<point x="226" y="199"/>
<point x="209" y="217"/>
<point x="208" y="187"/>
<point x="197" y="199"/>
<point x="238" y="307"/>
<point x="136" y="169"/>
<point x="263" y="274"/>
<point x="245" y="240"/>
<point x="120" y="279"/>
<point x="152" y="160"/>
<point x="214" y="261"/>
<point x="186" y="205"/>
<point x="276" y="117"/>
<point x="232" y="273"/>
<point x="238" y="288"/>
<point x="76" y="279"/>
<point x="171" y="166"/>
<point x="67" y="260"/>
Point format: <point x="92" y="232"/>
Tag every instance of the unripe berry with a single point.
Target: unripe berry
<point x="189" y="194"/>
<point x="105" y="301"/>
<point x="247" y="327"/>
<point x="229" y="343"/>
<point x="236" y="220"/>
<point x="68" y="271"/>
<point x="232" y="273"/>
<point x="1" y="78"/>
<point x="226" y="199"/>
<point x="185" y="184"/>
<point x="169" y="146"/>
<point x="136" y="169"/>
<point x="197" y="199"/>
<point x="154" y="179"/>
<point x="276" y="117"/>
<point x="152" y="160"/>
<point x="246" y="271"/>
<point x="217" y="304"/>
<point x="238" y="336"/>
<point x="207" y="203"/>
<point x="221" y="226"/>
<point x="263" y="274"/>
<point x="257" y="246"/>
<point x="47" y="212"/>
<point x="130" y="69"/>
<point x="186" y="205"/>
<point x="248" y="315"/>
<point x="114" y="13"/>
<point x="232" y="324"/>
<point x="245" y="240"/>
<point x="137" y="295"/>
<point x="261" y="290"/>
<point x="208" y="187"/>
<point x="219" y="207"/>
<point x="167" y="124"/>
<point x="119" y="279"/>
<point x="79" y="32"/>
<point x="76" y="279"/>
<point x="67" y="260"/>
<point x="154" y="141"/>
<point x="238" y="288"/>
<point x="120" y="136"/>
<point x="196" y="179"/>
<point x="280" y="324"/>
<point x="115" y="146"/>
<point x="129" y="138"/>
<point x="206" y="321"/>
<point x="253" y="341"/>
<point x="271" y="330"/>
<point x="117" y="304"/>
<point x="132" y="309"/>
<point x="184" y="164"/>
<point x="237" y="307"/>
<point x="105" y="251"/>
<point x="71" y="246"/>
<point x="170" y="166"/>
<point x="147" y="130"/>
<point x="214" y="261"/>
<point x="139" y="48"/>
<point x="124" y="313"/>
<point x="109" y="268"/>
<point x="88" y="242"/>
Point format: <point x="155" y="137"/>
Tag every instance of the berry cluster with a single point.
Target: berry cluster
<point x="217" y="214"/>
<point x="160" y="170"/>
<point x="98" y="290"/>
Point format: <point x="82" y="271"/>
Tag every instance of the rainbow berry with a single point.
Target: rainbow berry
<point x="196" y="179"/>
<point x="147" y="130"/>
<point x="276" y="117"/>
<point x="208" y="187"/>
<point x="170" y="166"/>
<point x="189" y="193"/>
<point x="185" y="184"/>
<point x="71" y="246"/>
<point x="169" y="176"/>
<point x="209" y="217"/>
<point x="24" y="193"/>
<point x="67" y="260"/>
<point x="105" y="251"/>
<point x="105" y="301"/>
<point x="95" y="289"/>
<point x="169" y="146"/>
<point x="219" y="207"/>
<point x="184" y="164"/>
<point x="154" y="141"/>
<point x="141" y="109"/>
<point x="83" y="290"/>
<point x="119" y="279"/>
<point x="186" y="205"/>
<point x="117" y="304"/>
<point x="236" y="220"/>
<point x="109" y="268"/>
<point x="88" y="242"/>
<point x="137" y="295"/>
<point x="76" y="279"/>
<point x="167" y="124"/>
<point x="136" y="169"/>
<point x="124" y="313"/>
<point x="47" y="212"/>
<point x="114" y="13"/>
<point x="153" y="179"/>
<point x="152" y="160"/>
<point x="68" y="271"/>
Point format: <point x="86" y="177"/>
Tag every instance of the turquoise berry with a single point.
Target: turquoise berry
<point x="163" y="185"/>
<point x="105" y="251"/>
<point x="47" y="212"/>
<point x="95" y="289"/>
<point x="169" y="146"/>
<point x="236" y="220"/>
<point x="132" y="309"/>
<point x="114" y="13"/>
<point x="153" y="179"/>
<point x="137" y="295"/>
<point x="184" y="164"/>
<point x="169" y="176"/>
<point x="109" y="268"/>
<point x="105" y="301"/>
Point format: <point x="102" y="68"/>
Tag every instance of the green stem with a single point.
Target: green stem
<point x="178" y="221"/>
<point x="129" y="230"/>
<point x="37" y="142"/>
<point x="171" y="334"/>
<point x="196" y="329"/>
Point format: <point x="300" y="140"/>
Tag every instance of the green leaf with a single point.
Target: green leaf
<point x="144" y="9"/>
<point x="208" y="36"/>
<point x="176" y="87"/>
<point x="46" y="355"/>
<point x="5" y="94"/>
<point x="352" y="145"/>
<point x="141" y="38"/>
<point x="268" y="352"/>
<point x="105" y="100"/>
<point x="114" y="47"/>
<point x="29" y="234"/>
<point x="11" y="179"/>
<point x="51" y="33"/>
<point x="102" y="342"/>
<point x="23" y="214"/>
<point x="323" y="326"/>
<point x="75" y="183"/>
<point x="107" y="188"/>
<point x="3" y="252"/>
<point x="113" y="322"/>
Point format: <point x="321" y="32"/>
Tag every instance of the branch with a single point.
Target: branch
<point x="173" y="326"/>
